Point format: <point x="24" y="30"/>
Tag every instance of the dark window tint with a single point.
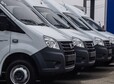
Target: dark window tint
<point x="76" y="21"/>
<point x="15" y="28"/>
<point x="4" y="25"/>
<point x="7" y="24"/>
<point x="93" y="24"/>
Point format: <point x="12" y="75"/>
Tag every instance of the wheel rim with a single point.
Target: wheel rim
<point x="20" y="74"/>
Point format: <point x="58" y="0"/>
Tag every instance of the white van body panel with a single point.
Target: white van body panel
<point x="107" y="34"/>
<point x="48" y="32"/>
<point x="74" y="33"/>
<point x="94" y="34"/>
<point x="24" y="45"/>
<point x="4" y="45"/>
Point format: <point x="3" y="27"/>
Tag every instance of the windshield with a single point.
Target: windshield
<point x="66" y="21"/>
<point x="92" y="23"/>
<point x="76" y="21"/>
<point x="52" y="17"/>
<point x="21" y="12"/>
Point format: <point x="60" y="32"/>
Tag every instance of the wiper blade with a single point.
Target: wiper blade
<point x="84" y="28"/>
<point x="29" y="22"/>
<point x="58" y="25"/>
<point x="41" y="24"/>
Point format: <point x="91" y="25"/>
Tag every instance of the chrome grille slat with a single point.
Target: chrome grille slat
<point x="89" y="45"/>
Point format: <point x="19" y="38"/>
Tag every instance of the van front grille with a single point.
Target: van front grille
<point x="107" y="44"/>
<point x="69" y="53"/>
<point x="90" y="47"/>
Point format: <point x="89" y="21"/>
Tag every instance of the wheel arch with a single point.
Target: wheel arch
<point x="17" y="56"/>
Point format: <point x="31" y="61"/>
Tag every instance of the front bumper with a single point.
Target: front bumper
<point x="85" y="58"/>
<point x="51" y="62"/>
<point x="103" y="54"/>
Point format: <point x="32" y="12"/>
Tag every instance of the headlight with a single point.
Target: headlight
<point x="51" y="43"/>
<point x="99" y="41"/>
<point x="77" y="42"/>
<point x="111" y="40"/>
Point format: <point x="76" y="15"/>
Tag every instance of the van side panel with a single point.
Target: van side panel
<point x="24" y="45"/>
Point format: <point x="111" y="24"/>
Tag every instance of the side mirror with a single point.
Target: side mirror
<point x="103" y="27"/>
<point x="4" y="25"/>
<point x="99" y="23"/>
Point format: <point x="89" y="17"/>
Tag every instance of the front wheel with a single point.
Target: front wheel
<point x="20" y="72"/>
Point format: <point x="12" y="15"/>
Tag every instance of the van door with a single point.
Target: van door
<point x="4" y="35"/>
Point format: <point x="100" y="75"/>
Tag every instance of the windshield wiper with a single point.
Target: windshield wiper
<point x="84" y="28"/>
<point x="100" y="30"/>
<point x="28" y="22"/>
<point x="59" y="26"/>
<point x="41" y="24"/>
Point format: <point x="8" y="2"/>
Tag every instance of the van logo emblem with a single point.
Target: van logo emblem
<point x="71" y="45"/>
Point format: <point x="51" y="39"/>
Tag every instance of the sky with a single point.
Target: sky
<point x="99" y="10"/>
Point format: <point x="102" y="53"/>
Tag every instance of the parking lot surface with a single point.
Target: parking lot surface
<point x="98" y="75"/>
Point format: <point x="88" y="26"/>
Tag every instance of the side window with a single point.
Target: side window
<point x="14" y="27"/>
<point x="7" y="24"/>
<point x="4" y="25"/>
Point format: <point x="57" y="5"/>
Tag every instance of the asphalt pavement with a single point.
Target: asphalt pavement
<point x="98" y="75"/>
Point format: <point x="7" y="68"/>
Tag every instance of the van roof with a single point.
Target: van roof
<point x="36" y="3"/>
<point x="56" y="7"/>
<point x="75" y="9"/>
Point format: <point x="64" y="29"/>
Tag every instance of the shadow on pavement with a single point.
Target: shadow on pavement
<point x="88" y="74"/>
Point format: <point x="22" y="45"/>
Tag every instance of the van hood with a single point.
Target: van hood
<point x="93" y="34"/>
<point x="107" y="34"/>
<point x="48" y="31"/>
<point x="73" y="33"/>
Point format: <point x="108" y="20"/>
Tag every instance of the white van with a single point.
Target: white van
<point x="28" y="48"/>
<point x="91" y="23"/>
<point x="85" y="51"/>
<point x="102" y="44"/>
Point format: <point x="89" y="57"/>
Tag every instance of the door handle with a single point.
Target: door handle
<point x="15" y="41"/>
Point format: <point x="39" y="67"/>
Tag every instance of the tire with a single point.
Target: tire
<point x="73" y="72"/>
<point x="107" y="63"/>
<point x="20" y="72"/>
